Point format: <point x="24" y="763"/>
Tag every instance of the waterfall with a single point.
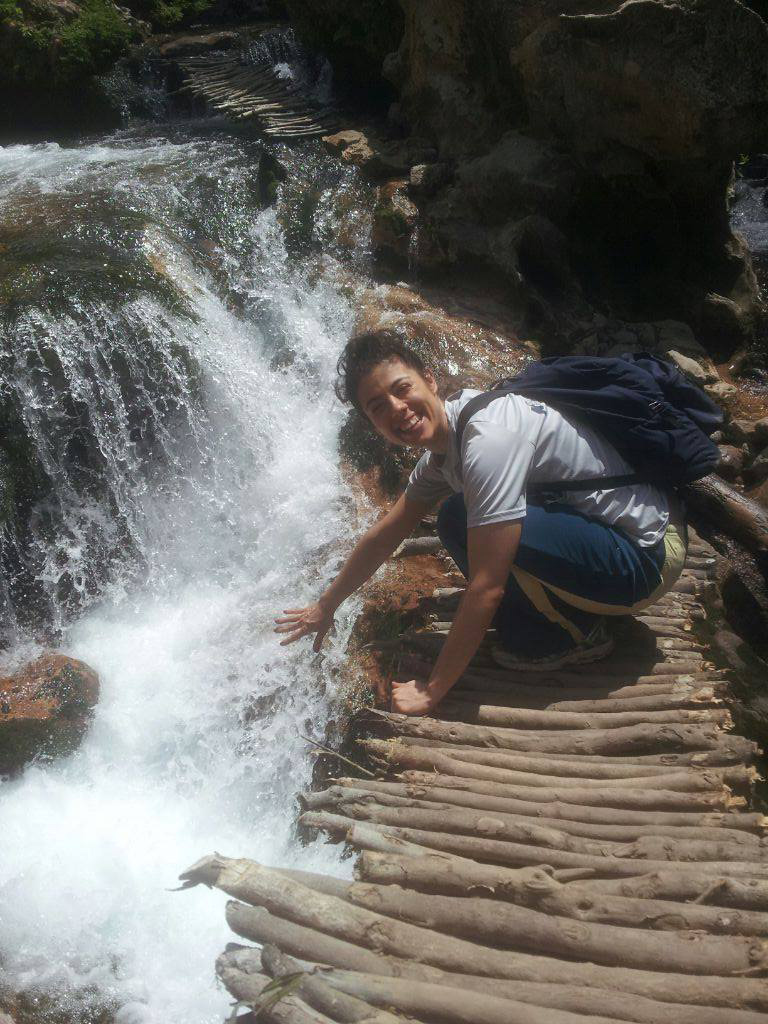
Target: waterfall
<point x="168" y="359"/>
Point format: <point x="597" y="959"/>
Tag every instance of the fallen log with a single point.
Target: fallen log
<point x="500" y="826"/>
<point x="726" y="891"/>
<point x="628" y="740"/>
<point x="450" y="1005"/>
<point x="582" y="1000"/>
<point x="317" y="993"/>
<point x="317" y="913"/>
<point x="669" y="885"/>
<point x="690" y="697"/>
<point x="537" y="888"/>
<point x="565" y="804"/>
<point x="248" y="989"/>
<point x="500" y="851"/>
<point x="744" y="846"/>
<point x="545" y="719"/>
<point x="646" y="801"/>
<point x="616" y="683"/>
<point x="592" y="771"/>
<point x="640" y="764"/>
<point x="732" y="512"/>
<point x="540" y="928"/>
<point x="316" y="948"/>
<point x="390" y="754"/>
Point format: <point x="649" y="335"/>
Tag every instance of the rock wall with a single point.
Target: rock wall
<point x="355" y="36"/>
<point x="585" y="150"/>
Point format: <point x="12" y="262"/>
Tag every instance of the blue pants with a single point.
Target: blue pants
<point x="574" y="553"/>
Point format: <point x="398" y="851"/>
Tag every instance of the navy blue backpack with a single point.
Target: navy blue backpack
<point x="656" y="419"/>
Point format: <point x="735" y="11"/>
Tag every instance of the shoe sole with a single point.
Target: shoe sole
<point x="579" y="656"/>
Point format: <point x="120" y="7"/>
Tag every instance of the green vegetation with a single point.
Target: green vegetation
<point x="38" y="44"/>
<point x="51" y="52"/>
<point x="163" y="15"/>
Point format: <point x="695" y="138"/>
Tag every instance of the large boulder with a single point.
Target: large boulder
<point x="45" y="709"/>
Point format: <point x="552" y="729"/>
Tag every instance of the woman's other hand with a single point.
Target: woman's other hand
<point x="413" y="698"/>
<point x="299" y="622"/>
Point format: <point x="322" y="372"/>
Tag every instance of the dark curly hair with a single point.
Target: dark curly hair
<point x="365" y="351"/>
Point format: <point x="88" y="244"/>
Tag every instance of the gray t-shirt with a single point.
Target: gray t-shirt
<point x="514" y="440"/>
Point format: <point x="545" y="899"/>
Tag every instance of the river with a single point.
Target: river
<point x="169" y="348"/>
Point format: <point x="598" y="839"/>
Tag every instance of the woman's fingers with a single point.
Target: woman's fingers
<point x="298" y="622"/>
<point x="321" y="634"/>
<point x="296" y="634"/>
<point x="289" y="616"/>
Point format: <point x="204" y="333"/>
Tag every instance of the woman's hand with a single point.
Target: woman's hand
<point x="414" y="697"/>
<point x="299" y="622"/>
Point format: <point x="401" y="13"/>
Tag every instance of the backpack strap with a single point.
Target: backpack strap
<point x="597" y="483"/>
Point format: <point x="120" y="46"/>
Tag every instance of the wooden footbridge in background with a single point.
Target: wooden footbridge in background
<point x="255" y="92"/>
<point x="570" y="849"/>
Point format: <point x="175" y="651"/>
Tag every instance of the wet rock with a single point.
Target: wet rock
<point x="689" y="366"/>
<point x="394" y="219"/>
<point x="727" y="321"/>
<point x="756" y="167"/>
<point x="377" y="158"/>
<point x="757" y="471"/>
<point x="722" y="392"/>
<point x="351" y="145"/>
<point x="194" y="43"/>
<point x="470" y="343"/>
<point x="426" y="179"/>
<point x="269" y="176"/>
<point x="742" y="431"/>
<point x="761" y="431"/>
<point x="731" y="462"/>
<point x="45" y="709"/>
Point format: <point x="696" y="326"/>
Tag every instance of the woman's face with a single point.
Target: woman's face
<point x="403" y="406"/>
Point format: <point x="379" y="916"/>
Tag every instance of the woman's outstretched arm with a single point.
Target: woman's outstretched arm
<point x="371" y="551"/>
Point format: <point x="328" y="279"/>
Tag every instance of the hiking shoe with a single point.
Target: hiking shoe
<point x="598" y="644"/>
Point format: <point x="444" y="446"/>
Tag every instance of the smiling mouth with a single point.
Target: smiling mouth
<point x="411" y="426"/>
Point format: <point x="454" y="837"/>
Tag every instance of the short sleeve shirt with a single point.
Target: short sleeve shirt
<point x="514" y="440"/>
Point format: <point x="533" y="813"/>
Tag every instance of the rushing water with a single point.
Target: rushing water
<point x="168" y="354"/>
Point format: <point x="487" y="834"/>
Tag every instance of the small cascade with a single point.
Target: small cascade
<point x="170" y="449"/>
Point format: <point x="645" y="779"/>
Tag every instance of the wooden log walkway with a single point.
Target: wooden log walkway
<point x="254" y="92"/>
<point x="575" y="847"/>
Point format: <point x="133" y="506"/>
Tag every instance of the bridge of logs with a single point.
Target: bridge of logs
<point x="573" y="849"/>
<point x="246" y="91"/>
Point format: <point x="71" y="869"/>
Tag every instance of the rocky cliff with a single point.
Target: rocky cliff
<point x="583" y="150"/>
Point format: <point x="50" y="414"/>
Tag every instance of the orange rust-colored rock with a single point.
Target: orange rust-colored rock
<point x="470" y="339"/>
<point x="45" y="709"/>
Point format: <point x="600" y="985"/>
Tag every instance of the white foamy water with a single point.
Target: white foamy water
<point x="235" y="510"/>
